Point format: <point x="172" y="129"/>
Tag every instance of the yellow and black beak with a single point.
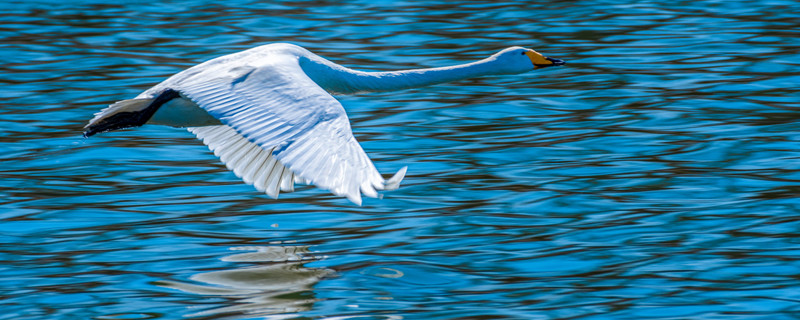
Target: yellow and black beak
<point x="540" y="61"/>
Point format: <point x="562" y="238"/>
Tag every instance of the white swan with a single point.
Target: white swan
<point x="268" y="113"/>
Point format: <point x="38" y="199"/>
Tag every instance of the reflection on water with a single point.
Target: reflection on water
<point x="655" y="176"/>
<point x="281" y="285"/>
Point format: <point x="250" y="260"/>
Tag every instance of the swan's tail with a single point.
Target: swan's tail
<point x="116" y="116"/>
<point x="127" y="113"/>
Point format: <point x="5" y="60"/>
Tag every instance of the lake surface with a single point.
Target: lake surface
<point x="656" y="176"/>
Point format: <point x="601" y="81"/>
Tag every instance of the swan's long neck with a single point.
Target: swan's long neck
<point x="337" y="79"/>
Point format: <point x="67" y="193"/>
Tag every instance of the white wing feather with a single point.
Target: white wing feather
<point x="280" y="127"/>
<point x="247" y="160"/>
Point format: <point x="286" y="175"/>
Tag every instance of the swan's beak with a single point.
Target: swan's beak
<point x="540" y="61"/>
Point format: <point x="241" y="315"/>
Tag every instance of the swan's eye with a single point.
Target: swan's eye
<point x="522" y="53"/>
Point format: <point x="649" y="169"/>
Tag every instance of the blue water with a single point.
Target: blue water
<point x="656" y="176"/>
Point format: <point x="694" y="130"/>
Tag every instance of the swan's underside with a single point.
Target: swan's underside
<point x="255" y="165"/>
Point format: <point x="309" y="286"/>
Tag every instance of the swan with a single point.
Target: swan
<point x="268" y="113"/>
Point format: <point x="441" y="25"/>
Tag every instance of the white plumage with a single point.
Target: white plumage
<point x="268" y="114"/>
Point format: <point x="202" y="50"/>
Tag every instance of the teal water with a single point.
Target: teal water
<point x="656" y="176"/>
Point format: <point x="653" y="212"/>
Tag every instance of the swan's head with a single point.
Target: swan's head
<point x="519" y="60"/>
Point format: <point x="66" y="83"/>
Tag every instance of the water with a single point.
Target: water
<point x="654" y="176"/>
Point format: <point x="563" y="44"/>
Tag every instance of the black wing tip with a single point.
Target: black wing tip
<point x="124" y="120"/>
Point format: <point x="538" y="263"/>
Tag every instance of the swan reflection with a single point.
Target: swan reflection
<point x="280" y="285"/>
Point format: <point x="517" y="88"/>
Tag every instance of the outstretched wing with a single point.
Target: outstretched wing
<point x="275" y="110"/>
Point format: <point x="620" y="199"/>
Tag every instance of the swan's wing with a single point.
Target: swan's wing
<point x="255" y="165"/>
<point x="277" y="107"/>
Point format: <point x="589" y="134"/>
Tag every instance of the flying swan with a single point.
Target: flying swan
<point x="268" y="113"/>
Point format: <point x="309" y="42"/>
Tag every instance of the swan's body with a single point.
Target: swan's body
<point x="269" y="115"/>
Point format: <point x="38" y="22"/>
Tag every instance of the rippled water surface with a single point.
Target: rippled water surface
<point x="654" y="176"/>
